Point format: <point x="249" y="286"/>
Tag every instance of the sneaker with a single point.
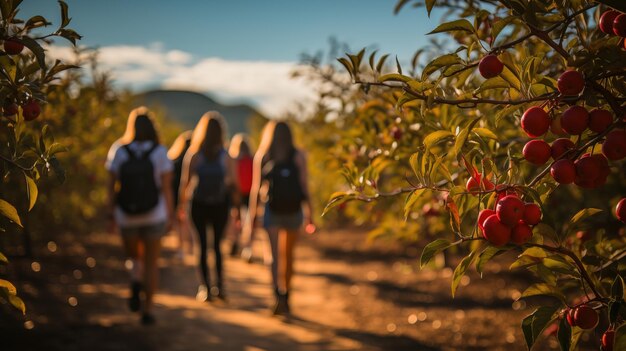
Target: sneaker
<point x="281" y="307"/>
<point x="203" y="294"/>
<point x="147" y="319"/>
<point x="134" y="301"/>
<point x="218" y="293"/>
<point x="246" y="254"/>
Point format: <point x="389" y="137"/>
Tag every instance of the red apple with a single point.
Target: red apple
<point x="12" y="46"/>
<point x="614" y="147"/>
<point x="535" y="122"/>
<point x="570" y="317"/>
<point x="571" y="83"/>
<point x="482" y="217"/>
<point x="537" y="152"/>
<point x="473" y="184"/>
<point x="608" y="339"/>
<point x="561" y="146"/>
<point x="586" y="317"/>
<point x="10" y="109"/>
<point x="495" y="232"/>
<point x="600" y="120"/>
<point x="510" y="210"/>
<point x="490" y="66"/>
<point x="606" y="21"/>
<point x="31" y="110"/>
<point x="532" y="213"/>
<point x="575" y="120"/>
<point x="619" y="25"/>
<point x="521" y="233"/>
<point x="563" y="171"/>
<point x="620" y="210"/>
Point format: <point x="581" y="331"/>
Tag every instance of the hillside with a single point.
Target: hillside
<point x="186" y="107"/>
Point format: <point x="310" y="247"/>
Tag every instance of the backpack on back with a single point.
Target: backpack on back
<point x="211" y="188"/>
<point x="138" y="191"/>
<point x="285" y="193"/>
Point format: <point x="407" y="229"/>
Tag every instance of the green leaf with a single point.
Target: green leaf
<point x="493" y="83"/>
<point x="460" y="140"/>
<point x="399" y="5"/>
<point x="3" y="258"/>
<point x="17" y="303"/>
<point x="394" y="77"/>
<point x="545" y="230"/>
<point x="36" y="22"/>
<point x="34" y="46"/>
<point x="498" y="26"/>
<point x="429" y="6"/>
<point x="460" y="24"/>
<point x="441" y="61"/>
<point x="564" y="334"/>
<point x="56" y="148"/>
<point x="620" y="338"/>
<point x="485" y="133"/>
<point x="338" y="198"/>
<point x="432" y="249"/>
<point x="69" y="34"/>
<point x="485" y="256"/>
<point x="536" y="322"/>
<point x="460" y="270"/>
<point x="8" y="286"/>
<point x="65" y="20"/>
<point x="31" y="191"/>
<point x="346" y="64"/>
<point x="583" y="214"/>
<point x="545" y="290"/>
<point x="617" y="288"/>
<point x="433" y="138"/>
<point x="614" y="310"/>
<point x="413" y="197"/>
<point x="7" y="210"/>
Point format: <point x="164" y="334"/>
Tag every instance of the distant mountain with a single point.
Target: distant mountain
<point x="186" y="108"/>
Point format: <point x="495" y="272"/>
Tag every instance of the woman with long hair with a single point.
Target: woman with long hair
<point x="241" y="152"/>
<point x="279" y="180"/>
<point x="176" y="154"/>
<point x="140" y="204"/>
<point x="209" y="179"/>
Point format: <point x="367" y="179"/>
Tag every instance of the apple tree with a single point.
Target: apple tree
<point x="28" y="148"/>
<point x="513" y="129"/>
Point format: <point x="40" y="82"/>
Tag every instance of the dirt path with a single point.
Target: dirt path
<point x="346" y="296"/>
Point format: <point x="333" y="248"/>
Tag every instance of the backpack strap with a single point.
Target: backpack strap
<point x="144" y="156"/>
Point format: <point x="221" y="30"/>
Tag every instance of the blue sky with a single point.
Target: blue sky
<point x="190" y="37"/>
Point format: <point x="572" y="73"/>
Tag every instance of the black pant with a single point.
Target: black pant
<point x="216" y="215"/>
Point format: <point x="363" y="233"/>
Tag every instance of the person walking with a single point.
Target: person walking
<point x="176" y="154"/>
<point x="140" y="204"/>
<point x="279" y="181"/>
<point x="241" y="152"/>
<point x="209" y="179"/>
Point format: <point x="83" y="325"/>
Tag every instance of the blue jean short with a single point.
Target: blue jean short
<point x="280" y="220"/>
<point x="148" y="231"/>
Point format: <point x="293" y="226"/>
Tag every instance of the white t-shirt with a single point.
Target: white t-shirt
<point x="162" y="164"/>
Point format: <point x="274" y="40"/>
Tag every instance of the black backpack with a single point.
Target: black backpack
<point x="211" y="188"/>
<point x="138" y="190"/>
<point x="285" y="193"/>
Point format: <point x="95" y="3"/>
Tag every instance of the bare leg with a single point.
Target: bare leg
<point x="287" y="244"/>
<point x="151" y="272"/>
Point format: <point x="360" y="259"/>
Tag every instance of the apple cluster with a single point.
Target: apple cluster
<point x="30" y="108"/>
<point x="589" y="170"/>
<point x="613" y="22"/>
<point x="511" y="221"/>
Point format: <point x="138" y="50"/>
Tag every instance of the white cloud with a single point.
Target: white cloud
<point x="268" y="83"/>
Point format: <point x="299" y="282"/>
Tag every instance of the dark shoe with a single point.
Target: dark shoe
<point x="147" y="319"/>
<point x="234" y="250"/>
<point x="218" y="293"/>
<point x="134" y="301"/>
<point x="281" y="307"/>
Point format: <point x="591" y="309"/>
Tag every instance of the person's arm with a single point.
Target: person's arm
<point x="189" y="163"/>
<point x="257" y="165"/>
<point x="166" y="188"/>
<point x="307" y="207"/>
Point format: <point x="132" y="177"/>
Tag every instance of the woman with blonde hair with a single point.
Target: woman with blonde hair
<point x="279" y="179"/>
<point x="176" y="154"/>
<point x="209" y="179"/>
<point x="140" y="203"/>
